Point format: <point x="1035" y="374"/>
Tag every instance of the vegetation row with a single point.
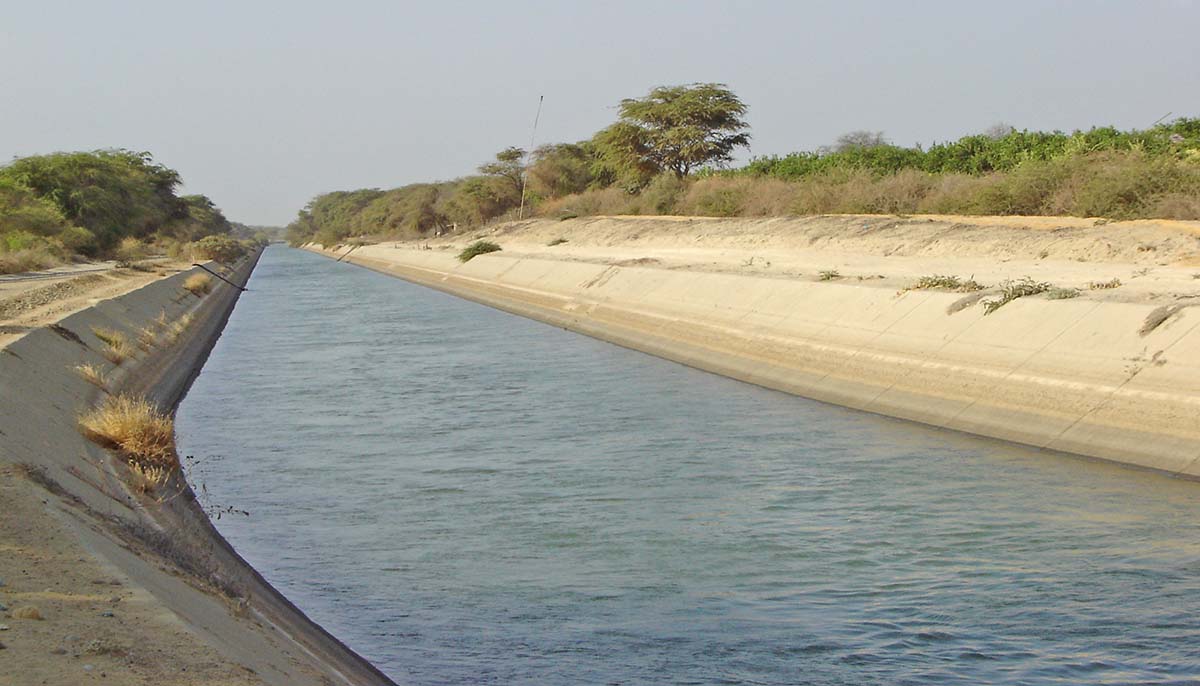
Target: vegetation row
<point x="668" y="153"/>
<point x="104" y="204"/>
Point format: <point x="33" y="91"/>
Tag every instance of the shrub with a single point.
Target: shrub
<point x="134" y="426"/>
<point x="662" y="195"/>
<point x="477" y="248"/>
<point x="78" y="240"/>
<point x="715" y="197"/>
<point x="1104" y="285"/>
<point x="828" y="275"/>
<point x="198" y="284"/>
<point x="129" y="250"/>
<point x="27" y="261"/>
<point x="219" y="248"/>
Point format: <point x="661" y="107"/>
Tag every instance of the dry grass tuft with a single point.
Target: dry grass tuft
<point x="116" y="347"/>
<point x="146" y="478"/>
<point x="93" y="374"/>
<point x="198" y="284"/>
<point x="135" y="426"/>
<point x="178" y="327"/>
<point x="1104" y="285"/>
<point x="828" y="275"/>
<point x="162" y="321"/>
<point x="147" y="338"/>
<point x="27" y="612"/>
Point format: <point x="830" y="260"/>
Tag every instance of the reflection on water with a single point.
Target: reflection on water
<point x="465" y="496"/>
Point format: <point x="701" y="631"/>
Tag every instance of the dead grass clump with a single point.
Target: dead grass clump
<point x="1104" y="285"/>
<point x="27" y="612"/>
<point x="1156" y="318"/>
<point x="162" y="321"/>
<point x="178" y="327"/>
<point x="135" y="426"/>
<point x="116" y="346"/>
<point x="146" y="477"/>
<point x="198" y="284"/>
<point x="1012" y="290"/>
<point x="948" y="283"/>
<point x="93" y="374"/>
<point x="147" y="338"/>
<point x="828" y="275"/>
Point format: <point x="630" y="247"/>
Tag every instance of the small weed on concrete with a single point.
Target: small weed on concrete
<point x="1062" y="293"/>
<point x="828" y="275"/>
<point x="1012" y="290"/>
<point x="477" y="248"/>
<point x="1104" y="285"/>
<point x="556" y="241"/>
<point x="116" y="347"/>
<point x="147" y="338"/>
<point x="93" y="374"/>
<point x="947" y="283"/>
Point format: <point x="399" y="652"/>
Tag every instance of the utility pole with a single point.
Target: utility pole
<point x="525" y="164"/>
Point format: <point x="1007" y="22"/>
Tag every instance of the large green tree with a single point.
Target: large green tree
<point x="675" y="129"/>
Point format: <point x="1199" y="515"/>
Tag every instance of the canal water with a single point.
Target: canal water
<point x="465" y="496"/>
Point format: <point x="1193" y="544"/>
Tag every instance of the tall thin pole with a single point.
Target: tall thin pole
<point x="525" y="166"/>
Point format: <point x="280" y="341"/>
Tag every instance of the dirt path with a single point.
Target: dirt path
<point x="41" y="298"/>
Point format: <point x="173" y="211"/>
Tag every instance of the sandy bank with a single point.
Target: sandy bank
<point x="131" y="589"/>
<point x="1112" y="373"/>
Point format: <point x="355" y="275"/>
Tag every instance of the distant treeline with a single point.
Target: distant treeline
<point x="107" y="203"/>
<point x="646" y="164"/>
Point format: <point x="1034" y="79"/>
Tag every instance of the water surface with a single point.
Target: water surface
<point x="465" y="496"/>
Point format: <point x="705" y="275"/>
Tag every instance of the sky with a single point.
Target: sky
<point x="263" y="105"/>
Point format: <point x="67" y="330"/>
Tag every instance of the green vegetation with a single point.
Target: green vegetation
<point x="106" y="203"/>
<point x="477" y="248"/>
<point x="666" y="154"/>
<point x="674" y="129"/>
<point x="948" y="283"/>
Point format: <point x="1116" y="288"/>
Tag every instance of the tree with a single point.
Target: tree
<point x="859" y="139"/>
<point x="562" y="168"/>
<point x="508" y="165"/>
<point x="998" y="131"/>
<point x="675" y="129"/>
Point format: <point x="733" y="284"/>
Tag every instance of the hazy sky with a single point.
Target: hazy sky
<point x="263" y="105"/>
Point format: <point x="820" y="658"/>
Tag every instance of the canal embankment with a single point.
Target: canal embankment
<point x="100" y="578"/>
<point x="1102" y="359"/>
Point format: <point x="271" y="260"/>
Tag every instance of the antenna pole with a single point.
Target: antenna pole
<point x="525" y="166"/>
